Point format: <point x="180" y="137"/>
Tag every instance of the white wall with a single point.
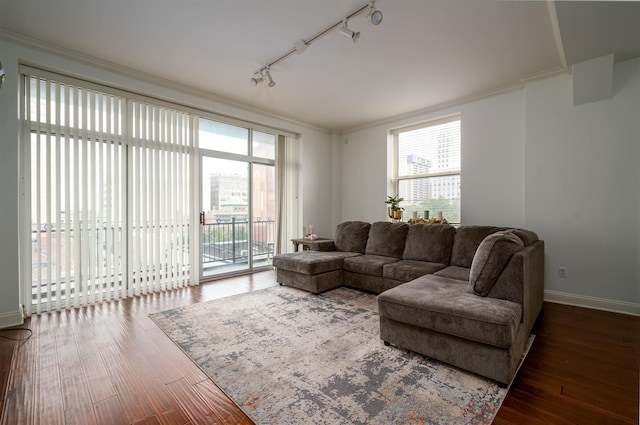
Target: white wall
<point x="317" y="153"/>
<point x="364" y="179"/>
<point x="532" y="159"/>
<point x="582" y="173"/>
<point x="492" y="146"/>
<point x="317" y="184"/>
<point x="9" y="289"/>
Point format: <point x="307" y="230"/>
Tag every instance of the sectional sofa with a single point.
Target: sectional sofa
<point x="466" y="295"/>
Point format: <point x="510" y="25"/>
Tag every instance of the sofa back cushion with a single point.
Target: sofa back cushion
<point x="527" y="236"/>
<point x="429" y="242"/>
<point x="491" y="258"/>
<point x="387" y="239"/>
<point x="351" y="236"/>
<point x="466" y="242"/>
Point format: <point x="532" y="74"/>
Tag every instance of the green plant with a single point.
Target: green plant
<point x="394" y="203"/>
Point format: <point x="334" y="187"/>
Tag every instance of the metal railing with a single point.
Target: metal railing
<point x="226" y="242"/>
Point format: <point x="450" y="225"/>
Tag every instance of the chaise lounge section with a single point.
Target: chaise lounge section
<point x="468" y="296"/>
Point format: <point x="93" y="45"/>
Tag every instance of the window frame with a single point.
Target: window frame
<point x="395" y="179"/>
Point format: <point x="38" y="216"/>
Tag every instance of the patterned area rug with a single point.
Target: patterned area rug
<point x="286" y="356"/>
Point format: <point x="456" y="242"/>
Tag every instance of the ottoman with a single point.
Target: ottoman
<point x="313" y="271"/>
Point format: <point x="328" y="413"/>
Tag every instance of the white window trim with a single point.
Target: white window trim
<point x="395" y="179"/>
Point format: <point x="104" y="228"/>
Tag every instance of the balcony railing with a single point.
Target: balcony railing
<point x="226" y="242"/>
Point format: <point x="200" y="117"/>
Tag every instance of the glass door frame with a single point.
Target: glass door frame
<point x="203" y="156"/>
<point x="251" y="161"/>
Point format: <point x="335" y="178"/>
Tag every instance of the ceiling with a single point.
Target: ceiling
<point x="424" y="54"/>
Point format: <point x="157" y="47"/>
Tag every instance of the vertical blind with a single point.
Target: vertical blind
<point x="159" y="198"/>
<point x="109" y="194"/>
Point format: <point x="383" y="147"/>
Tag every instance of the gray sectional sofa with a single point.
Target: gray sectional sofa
<point x="466" y="295"/>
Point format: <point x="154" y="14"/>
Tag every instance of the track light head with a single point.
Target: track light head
<point x="268" y="75"/>
<point x="257" y="79"/>
<point x="374" y="16"/>
<point x="349" y="33"/>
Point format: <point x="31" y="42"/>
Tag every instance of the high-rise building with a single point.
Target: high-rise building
<point x="418" y="189"/>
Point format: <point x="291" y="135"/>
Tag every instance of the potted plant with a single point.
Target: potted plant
<point x="394" y="210"/>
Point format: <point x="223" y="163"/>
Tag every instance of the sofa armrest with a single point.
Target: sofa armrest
<point x="533" y="283"/>
<point x="522" y="282"/>
<point x="324" y="245"/>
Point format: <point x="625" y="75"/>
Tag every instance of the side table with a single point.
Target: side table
<point x="305" y="242"/>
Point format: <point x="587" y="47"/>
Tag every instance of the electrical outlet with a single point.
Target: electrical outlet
<point x="562" y="272"/>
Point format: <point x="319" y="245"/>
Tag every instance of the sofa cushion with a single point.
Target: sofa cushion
<point x="527" y="236"/>
<point x="322" y="245"/>
<point x="450" y="306"/>
<point x="455" y="272"/>
<point x="351" y="236"/>
<point x="429" y="242"/>
<point x="311" y="262"/>
<point x="367" y="264"/>
<point x="406" y="270"/>
<point x="490" y="259"/>
<point x="387" y="239"/>
<point x="466" y="242"/>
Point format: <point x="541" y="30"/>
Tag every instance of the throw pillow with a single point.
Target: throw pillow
<point x="491" y="257"/>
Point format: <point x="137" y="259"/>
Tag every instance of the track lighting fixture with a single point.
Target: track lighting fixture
<point x="349" y="33"/>
<point x="258" y="78"/>
<point x="373" y="15"/>
<point x="268" y="74"/>
<point x="262" y="75"/>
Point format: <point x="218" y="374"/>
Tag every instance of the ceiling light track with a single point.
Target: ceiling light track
<point x="374" y="16"/>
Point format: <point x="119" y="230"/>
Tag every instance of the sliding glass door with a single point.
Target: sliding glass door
<point x="108" y="193"/>
<point x="113" y="183"/>
<point x="237" y="217"/>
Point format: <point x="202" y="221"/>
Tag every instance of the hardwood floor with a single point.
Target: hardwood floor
<point x="583" y="369"/>
<point x="110" y="364"/>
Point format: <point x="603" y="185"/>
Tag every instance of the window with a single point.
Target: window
<point x="426" y="168"/>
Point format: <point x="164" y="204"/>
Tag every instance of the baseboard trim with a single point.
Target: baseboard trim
<point x="13" y="318"/>
<point x="592" y="302"/>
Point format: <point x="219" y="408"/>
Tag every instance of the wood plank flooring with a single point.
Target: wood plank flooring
<point x="110" y="364"/>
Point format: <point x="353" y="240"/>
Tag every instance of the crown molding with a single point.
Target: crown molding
<point x="522" y="81"/>
<point x="555" y="25"/>
<point x="548" y="73"/>
<point x="210" y="96"/>
<point x="438" y="107"/>
<point x="145" y="77"/>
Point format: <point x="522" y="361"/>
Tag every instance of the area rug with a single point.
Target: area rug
<point x="285" y="356"/>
